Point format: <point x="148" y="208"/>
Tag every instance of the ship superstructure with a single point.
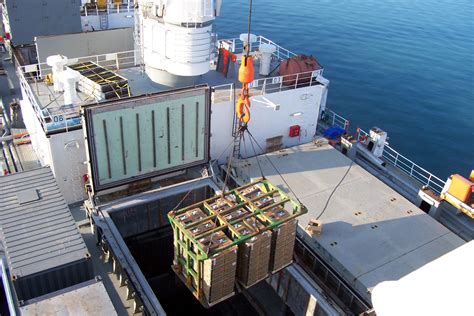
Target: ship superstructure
<point x="133" y="135"/>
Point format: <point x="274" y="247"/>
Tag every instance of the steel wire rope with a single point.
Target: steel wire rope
<point x="334" y="190"/>
<point x="256" y="156"/>
<point x="274" y="167"/>
<point x="189" y="192"/>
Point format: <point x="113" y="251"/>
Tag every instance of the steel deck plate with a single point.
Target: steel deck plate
<point x="370" y="232"/>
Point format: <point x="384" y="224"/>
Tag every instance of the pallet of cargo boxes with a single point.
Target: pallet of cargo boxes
<point x="241" y="235"/>
<point x="249" y="233"/>
<point x="205" y="259"/>
<point x="276" y="209"/>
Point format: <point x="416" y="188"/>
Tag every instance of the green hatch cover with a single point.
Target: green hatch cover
<point x="142" y="137"/>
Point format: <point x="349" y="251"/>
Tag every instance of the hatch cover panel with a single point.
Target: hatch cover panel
<point x="142" y="137"/>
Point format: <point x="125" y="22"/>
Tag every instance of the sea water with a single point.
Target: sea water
<point x="406" y="66"/>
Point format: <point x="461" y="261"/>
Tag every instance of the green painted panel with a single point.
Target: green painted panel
<point x="142" y="137"/>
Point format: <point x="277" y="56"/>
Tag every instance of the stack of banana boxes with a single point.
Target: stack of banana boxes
<point x="240" y="236"/>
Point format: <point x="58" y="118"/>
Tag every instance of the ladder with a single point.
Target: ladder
<point x="235" y="131"/>
<point x="104" y="21"/>
<point x="236" y="151"/>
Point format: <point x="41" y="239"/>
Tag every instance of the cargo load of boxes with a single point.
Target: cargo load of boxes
<point x="240" y="236"/>
<point x="99" y="82"/>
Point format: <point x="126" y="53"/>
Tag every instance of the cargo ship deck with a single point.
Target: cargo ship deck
<point x="370" y="233"/>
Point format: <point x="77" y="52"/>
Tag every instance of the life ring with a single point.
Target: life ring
<point x="242" y="109"/>
<point x="363" y="138"/>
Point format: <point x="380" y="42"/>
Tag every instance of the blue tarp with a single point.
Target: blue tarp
<point x="333" y="132"/>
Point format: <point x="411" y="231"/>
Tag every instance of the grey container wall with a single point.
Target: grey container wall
<point x="30" y="18"/>
<point x="45" y="251"/>
<point x="53" y="279"/>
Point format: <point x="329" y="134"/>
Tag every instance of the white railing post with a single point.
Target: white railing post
<point x="396" y="159"/>
<point x="297" y="78"/>
<point x="429" y="179"/>
<point x="333" y="117"/>
<point x="411" y="170"/>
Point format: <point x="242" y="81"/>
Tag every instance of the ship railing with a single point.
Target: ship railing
<point x="282" y="83"/>
<point x="113" y="61"/>
<point x="333" y="119"/>
<point x="4" y="12"/>
<point x="33" y="75"/>
<point x="111" y="8"/>
<point x="280" y="53"/>
<point x="416" y="172"/>
<point x="223" y="93"/>
<point x="407" y="166"/>
<point x="264" y="86"/>
<point x="236" y="46"/>
<point x="25" y="86"/>
<point x="51" y="117"/>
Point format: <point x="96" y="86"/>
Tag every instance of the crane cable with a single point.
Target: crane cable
<point x="246" y="76"/>
<point x="249" y="26"/>
<point x="273" y="165"/>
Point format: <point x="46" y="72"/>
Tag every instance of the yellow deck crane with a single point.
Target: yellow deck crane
<point x="459" y="192"/>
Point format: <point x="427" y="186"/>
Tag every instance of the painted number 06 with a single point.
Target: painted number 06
<point x="58" y="118"/>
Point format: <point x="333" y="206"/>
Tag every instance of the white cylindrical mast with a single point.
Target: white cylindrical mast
<point x="176" y="37"/>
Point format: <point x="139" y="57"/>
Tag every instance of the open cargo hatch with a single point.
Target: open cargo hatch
<point x="142" y="137"/>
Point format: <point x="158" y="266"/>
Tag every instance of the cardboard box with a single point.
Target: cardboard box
<point x="314" y="227"/>
<point x="277" y="213"/>
<point x="219" y="275"/>
<point x="235" y="214"/>
<point x="283" y="243"/>
<point x="254" y="259"/>
<point x="202" y="227"/>
<point x="221" y="204"/>
<point x="191" y="216"/>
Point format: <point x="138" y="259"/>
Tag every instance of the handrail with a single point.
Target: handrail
<point x="280" y="53"/>
<point x="223" y="93"/>
<point x="118" y="60"/>
<point x="282" y="83"/>
<point x="31" y="97"/>
<point x="407" y="166"/>
<point x="274" y="84"/>
<point x="334" y="119"/>
<point x="112" y="8"/>
<point x="237" y="46"/>
<point x="416" y="172"/>
<point x="29" y="75"/>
